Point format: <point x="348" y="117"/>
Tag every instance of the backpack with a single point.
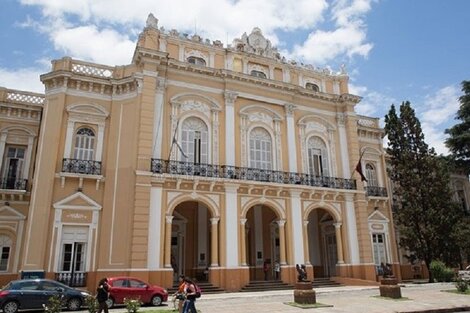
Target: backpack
<point x="198" y="291"/>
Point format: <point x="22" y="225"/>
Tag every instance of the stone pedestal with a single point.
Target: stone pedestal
<point x="304" y="293"/>
<point x="389" y="288"/>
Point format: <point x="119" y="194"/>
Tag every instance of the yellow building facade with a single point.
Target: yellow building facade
<point x="193" y="159"/>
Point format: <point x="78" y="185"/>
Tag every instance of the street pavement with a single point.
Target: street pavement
<point x="351" y="299"/>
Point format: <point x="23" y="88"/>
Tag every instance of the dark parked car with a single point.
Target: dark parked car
<point x="133" y="288"/>
<point x="34" y="293"/>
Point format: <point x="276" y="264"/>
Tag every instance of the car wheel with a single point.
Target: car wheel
<point x="110" y="303"/>
<point x="74" y="304"/>
<point x="156" y="300"/>
<point x="10" y="307"/>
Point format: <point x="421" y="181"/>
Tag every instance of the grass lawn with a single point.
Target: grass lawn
<point x="388" y="298"/>
<point x="458" y="292"/>
<point x="308" y="306"/>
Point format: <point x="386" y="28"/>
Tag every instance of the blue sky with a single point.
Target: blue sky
<point x="394" y="50"/>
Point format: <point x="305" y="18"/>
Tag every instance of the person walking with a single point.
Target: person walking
<point x="180" y="293"/>
<point x="102" y="295"/>
<point x="190" y="291"/>
<point x="266" y="269"/>
<point x="277" y="269"/>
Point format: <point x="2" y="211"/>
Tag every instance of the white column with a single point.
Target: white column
<point x="211" y="59"/>
<point x="3" y="140"/>
<point x="336" y="87"/>
<point x="181" y="53"/>
<point x="202" y="235"/>
<point x="162" y="44"/>
<point x="343" y="144"/>
<point x="230" y="98"/>
<point x="291" y="146"/>
<point x="68" y="139"/>
<point x="245" y="66"/>
<point x="271" y="72"/>
<point x="158" y="119"/>
<point x="231" y="225"/>
<point x="286" y="75"/>
<point x="100" y="142"/>
<point x="155" y="222"/>
<point x="215" y="242"/>
<point x="258" y="217"/>
<point x="352" y="229"/>
<point x="168" y="229"/>
<point x="297" y="226"/>
<point x="323" y="86"/>
<point x="28" y="155"/>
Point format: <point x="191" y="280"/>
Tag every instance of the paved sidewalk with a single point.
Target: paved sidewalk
<point x="417" y="298"/>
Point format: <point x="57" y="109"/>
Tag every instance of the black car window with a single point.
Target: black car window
<point x="136" y="283"/>
<point x="47" y="285"/>
<point x="120" y="283"/>
<point x="28" y="285"/>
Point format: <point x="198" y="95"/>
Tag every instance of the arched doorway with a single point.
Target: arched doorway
<point x="262" y="242"/>
<point x="191" y="240"/>
<point x="322" y="243"/>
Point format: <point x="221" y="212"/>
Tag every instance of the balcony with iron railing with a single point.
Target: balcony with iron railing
<point x="13" y="183"/>
<point x="375" y="191"/>
<point x="160" y="166"/>
<point x="74" y="279"/>
<point x="76" y="166"/>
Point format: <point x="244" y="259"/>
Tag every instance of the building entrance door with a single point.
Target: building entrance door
<point x="331" y="254"/>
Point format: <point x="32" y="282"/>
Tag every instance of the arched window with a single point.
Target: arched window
<point x="258" y="74"/>
<point x="196" y="61"/>
<point x="194" y="141"/>
<point x="5" y="248"/>
<point x="312" y="86"/>
<point x="380" y="249"/>
<point x="260" y="149"/>
<point x="371" y="175"/>
<point x="317" y="157"/>
<point x="84" y="144"/>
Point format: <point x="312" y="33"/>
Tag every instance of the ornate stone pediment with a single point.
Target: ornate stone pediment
<point x="256" y="43"/>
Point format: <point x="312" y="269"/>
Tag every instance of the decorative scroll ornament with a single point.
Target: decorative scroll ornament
<point x="256" y="43"/>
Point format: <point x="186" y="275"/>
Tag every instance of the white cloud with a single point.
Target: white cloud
<point x="373" y="103"/>
<point x="219" y="19"/>
<point x="349" y="38"/>
<point x="441" y="106"/>
<point x="436" y="113"/>
<point x="87" y="42"/>
<point x="22" y="79"/>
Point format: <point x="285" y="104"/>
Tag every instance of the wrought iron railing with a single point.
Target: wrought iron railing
<point x="81" y="166"/>
<point x="245" y="173"/>
<point x="77" y="279"/>
<point x="13" y="183"/>
<point x="374" y="191"/>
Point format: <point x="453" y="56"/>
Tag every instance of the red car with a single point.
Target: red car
<point x="133" y="288"/>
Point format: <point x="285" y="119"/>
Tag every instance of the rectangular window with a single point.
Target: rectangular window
<point x="73" y="257"/>
<point x="66" y="257"/>
<point x="13" y="166"/>
<point x="4" y="258"/>
<point x="380" y="256"/>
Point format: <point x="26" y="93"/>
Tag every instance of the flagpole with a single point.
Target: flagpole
<point x="173" y="140"/>
<point x="359" y="162"/>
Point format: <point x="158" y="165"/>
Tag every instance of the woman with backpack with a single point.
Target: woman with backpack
<point x="190" y="291"/>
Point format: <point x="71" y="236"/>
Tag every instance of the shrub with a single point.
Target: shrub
<point x="461" y="285"/>
<point x="440" y="272"/>
<point x="132" y="305"/>
<point x="91" y="303"/>
<point x="54" y="304"/>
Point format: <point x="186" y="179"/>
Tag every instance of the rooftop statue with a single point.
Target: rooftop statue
<point x="152" y="21"/>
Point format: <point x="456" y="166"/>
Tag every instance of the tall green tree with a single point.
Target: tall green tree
<point x="424" y="212"/>
<point x="458" y="141"/>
